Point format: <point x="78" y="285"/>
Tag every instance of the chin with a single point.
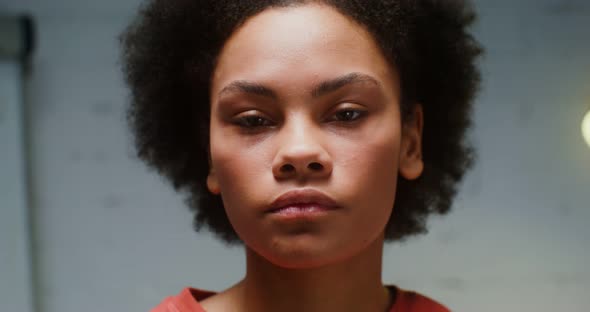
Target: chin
<point x="298" y="255"/>
<point x="303" y="262"/>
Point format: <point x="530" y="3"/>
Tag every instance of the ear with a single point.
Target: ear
<point x="212" y="182"/>
<point x="411" y="164"/>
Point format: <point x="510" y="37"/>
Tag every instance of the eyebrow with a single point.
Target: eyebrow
<point x="249" y="87"/>
<point x="321" y="89"/>
<point x="332" y="85"/>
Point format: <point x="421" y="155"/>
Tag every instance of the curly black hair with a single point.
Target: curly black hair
<point x="169" y="53"/>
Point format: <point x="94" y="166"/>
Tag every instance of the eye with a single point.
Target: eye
<point x="348" y="115"/>
<point x="252" y="122"/>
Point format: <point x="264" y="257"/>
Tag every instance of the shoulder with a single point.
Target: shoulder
<point x="410" y="301"/>
<point x="186" y="301"/>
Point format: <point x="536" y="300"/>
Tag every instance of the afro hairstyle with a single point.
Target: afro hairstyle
<point x="169" y="53"/>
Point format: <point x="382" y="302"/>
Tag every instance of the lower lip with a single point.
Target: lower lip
<point x="302" y="211"/>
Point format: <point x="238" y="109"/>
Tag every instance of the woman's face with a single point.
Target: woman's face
<point x="303" y="102"/>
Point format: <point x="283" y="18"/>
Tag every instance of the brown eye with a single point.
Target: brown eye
<point x="253" y="121"/>
<point x="348" y="115"/>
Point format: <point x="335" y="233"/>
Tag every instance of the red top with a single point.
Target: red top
<point x="406" y="301"/>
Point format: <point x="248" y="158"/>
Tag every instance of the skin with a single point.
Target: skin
<point x="302" y="98"/>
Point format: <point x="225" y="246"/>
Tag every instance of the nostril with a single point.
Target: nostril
<point x="315" y="166"/>
<point x="287" y="168"/>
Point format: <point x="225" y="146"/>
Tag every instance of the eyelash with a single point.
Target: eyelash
<point x="357" y="113"/>
<point x="254" y="122"/>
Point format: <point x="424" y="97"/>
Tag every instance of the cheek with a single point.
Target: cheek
<point x="233" y="172"/>
<point x="236" y="167"/>
<point x="374" y="159"/>
<point x="370" y="171"/>
<point x="233" y="168"/>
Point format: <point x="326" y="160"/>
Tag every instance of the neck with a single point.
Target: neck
<point x="353" y="284"/>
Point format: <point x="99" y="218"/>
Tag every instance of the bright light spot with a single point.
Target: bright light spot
<point x="586" y="128"/>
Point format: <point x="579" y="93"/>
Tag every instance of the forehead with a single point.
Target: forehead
<point x="299" y="45"/>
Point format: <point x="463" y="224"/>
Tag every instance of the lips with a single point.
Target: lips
<point x="301" y="199"/>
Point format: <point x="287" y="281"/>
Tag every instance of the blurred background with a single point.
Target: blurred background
<point x="84" y="226"/>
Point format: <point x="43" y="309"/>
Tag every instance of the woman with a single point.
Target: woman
<point x="311" y="132"/>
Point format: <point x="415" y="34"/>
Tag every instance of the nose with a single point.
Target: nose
<point x="301" y="154"/>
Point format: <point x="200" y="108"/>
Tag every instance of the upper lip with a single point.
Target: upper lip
<point x="302" y="197"/>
